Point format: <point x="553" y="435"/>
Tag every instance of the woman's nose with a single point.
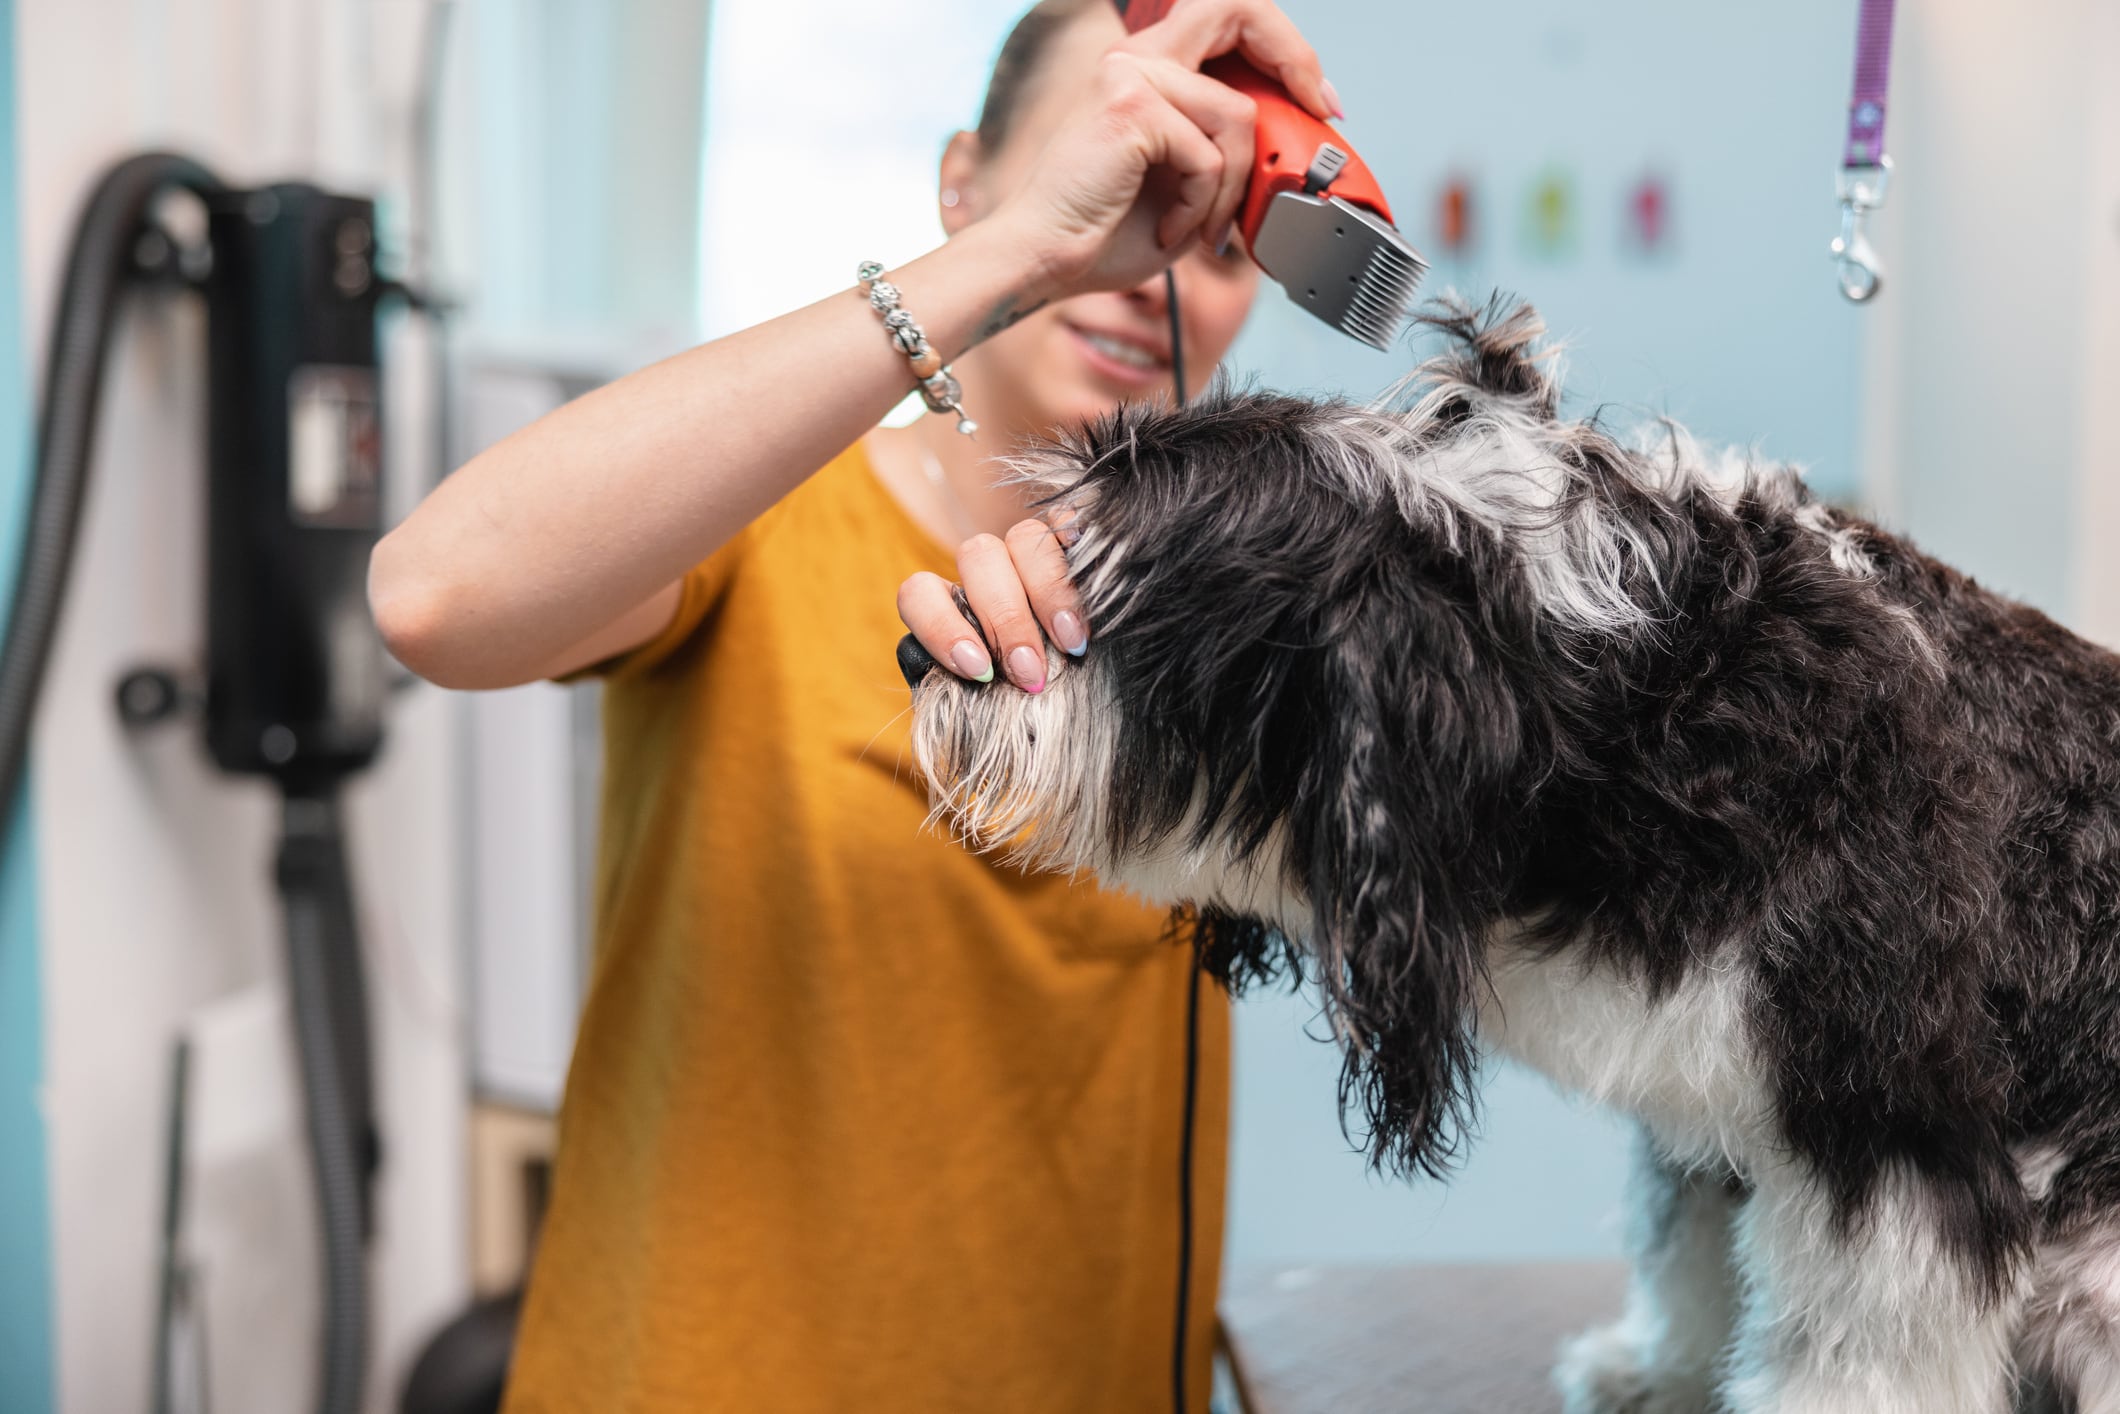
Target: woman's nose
<point x="913" y="660"/>
<point x="1151" y="295"/>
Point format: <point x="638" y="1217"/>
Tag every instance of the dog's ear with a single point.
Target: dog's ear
<point x="1407" y="824"/>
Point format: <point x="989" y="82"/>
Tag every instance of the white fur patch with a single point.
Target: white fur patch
<point x="1665" y="1354"/>
<point x="2072" y="1321"/>
<point x="1508" y="472"/>
<point x="1673" y="461"/>
<point x="2037" y="1167"/>
<point x="1605" y="1371"/>
<point x="1841" y="542"/>
<point x="1175" y="873"/>
<point x="1886" y="1320"/>
<point x="1682" y="1063"/>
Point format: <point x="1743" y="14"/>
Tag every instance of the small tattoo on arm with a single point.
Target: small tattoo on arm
<point x="1006" y="313"/>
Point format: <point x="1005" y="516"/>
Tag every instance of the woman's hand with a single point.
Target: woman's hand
<point x="1157" y="154"/>
<point x="1019" y="589"/>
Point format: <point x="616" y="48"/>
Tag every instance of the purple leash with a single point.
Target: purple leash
<point x="1873" y="67"/>
<point x="1864" y="168"/>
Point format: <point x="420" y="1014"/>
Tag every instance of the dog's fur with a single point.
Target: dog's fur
<point x="1711" y="802"/>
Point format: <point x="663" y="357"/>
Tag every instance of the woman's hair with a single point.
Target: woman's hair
<point x="1021" y="54"/>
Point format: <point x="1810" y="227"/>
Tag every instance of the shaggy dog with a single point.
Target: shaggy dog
<point x="1708" y="801"/>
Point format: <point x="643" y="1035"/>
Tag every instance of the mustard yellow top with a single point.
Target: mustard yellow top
<point x="858" y="1122"/>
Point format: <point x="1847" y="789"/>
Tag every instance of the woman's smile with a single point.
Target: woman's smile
<point x="1135" y="360"/>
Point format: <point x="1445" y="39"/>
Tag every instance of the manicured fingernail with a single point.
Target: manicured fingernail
<point x="1067" y="625"/>
<point x="970" y="661"/>
<point x="1027" y="667"/>
<point x="1332" y="99"/>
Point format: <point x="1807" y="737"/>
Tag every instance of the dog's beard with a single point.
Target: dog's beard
<point x="1031" y="779"/>
<point x="1024" y="776"/>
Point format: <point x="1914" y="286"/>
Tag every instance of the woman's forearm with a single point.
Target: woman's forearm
<point x="553" y="534"/>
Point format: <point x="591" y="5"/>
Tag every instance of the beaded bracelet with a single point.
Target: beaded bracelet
<point x="938" y="388"/>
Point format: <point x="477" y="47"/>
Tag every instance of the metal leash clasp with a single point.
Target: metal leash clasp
<point x="1862" y="191"/>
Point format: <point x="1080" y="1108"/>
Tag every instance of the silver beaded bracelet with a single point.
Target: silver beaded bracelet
<point x="938" y="388"/>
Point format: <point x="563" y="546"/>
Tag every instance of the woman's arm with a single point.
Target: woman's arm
<point x="562" y="544"/>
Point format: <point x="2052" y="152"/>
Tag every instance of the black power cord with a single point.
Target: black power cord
<point x="1178" y="1402"/>
<point x="1185" y="1191"/>
<point x="1177" y="342"/>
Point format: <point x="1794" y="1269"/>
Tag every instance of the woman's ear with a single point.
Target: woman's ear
<point x="959" y="194"/>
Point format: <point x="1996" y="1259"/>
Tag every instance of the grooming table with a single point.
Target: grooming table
<point x="1414" y="1339"/>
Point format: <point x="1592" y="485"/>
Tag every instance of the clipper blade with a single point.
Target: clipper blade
<point x="1345" y="264"/>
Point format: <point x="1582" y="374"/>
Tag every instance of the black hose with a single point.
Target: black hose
<point x="96" y="272"/>
<point x="324" y="990"/>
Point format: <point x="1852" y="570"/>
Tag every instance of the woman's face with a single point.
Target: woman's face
<point x="1079" y="357"/>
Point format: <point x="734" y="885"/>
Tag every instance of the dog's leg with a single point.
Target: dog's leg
<point x="1884" y="1319"/>
<point x="1661" y="1357"/>
<point x="2072" y="1322"/>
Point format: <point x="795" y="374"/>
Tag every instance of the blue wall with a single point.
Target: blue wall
<point x="25" y="1230"/>
<point x="1734" y="327"/>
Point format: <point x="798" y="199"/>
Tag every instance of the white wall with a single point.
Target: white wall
<point x="1992" y="365"/>
<point x="155" y="872"/>
<point x="2096" y="600"/>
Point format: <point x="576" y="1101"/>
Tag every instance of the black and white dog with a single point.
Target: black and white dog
<point x="1708" y="801"/>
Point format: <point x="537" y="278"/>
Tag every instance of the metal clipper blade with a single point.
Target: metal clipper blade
<point x="1345" y="264"/>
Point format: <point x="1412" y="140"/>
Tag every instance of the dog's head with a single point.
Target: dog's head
<point x="1329" y="646"/>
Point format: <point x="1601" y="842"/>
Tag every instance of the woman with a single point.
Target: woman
<point x="857" y="1120"/>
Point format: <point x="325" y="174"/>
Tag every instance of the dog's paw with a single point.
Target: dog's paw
<point x="1604" y="1372"/>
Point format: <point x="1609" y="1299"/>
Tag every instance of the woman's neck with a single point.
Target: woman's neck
<point x="945" y="480"/>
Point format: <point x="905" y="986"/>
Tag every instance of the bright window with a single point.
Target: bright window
<point x="825" y="121"/>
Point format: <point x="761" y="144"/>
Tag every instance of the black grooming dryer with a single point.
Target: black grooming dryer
<point x="295" y="679"/>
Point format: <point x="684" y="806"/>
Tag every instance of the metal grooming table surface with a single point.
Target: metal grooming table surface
<point x="1414" y="1339"/>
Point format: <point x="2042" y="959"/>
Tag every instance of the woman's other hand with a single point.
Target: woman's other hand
<point x="1019" y="589"/>
<point x="1156" y="155"/>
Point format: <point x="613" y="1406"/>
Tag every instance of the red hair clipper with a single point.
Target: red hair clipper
<point x="1313" y="216"/>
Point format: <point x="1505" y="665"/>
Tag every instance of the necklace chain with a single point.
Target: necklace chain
<point x="933" y="465"/>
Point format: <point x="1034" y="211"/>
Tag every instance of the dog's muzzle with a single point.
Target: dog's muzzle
<point x="914" y="661"/>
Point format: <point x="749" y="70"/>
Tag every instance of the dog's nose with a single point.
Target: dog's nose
<point x="913" y="660"/>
